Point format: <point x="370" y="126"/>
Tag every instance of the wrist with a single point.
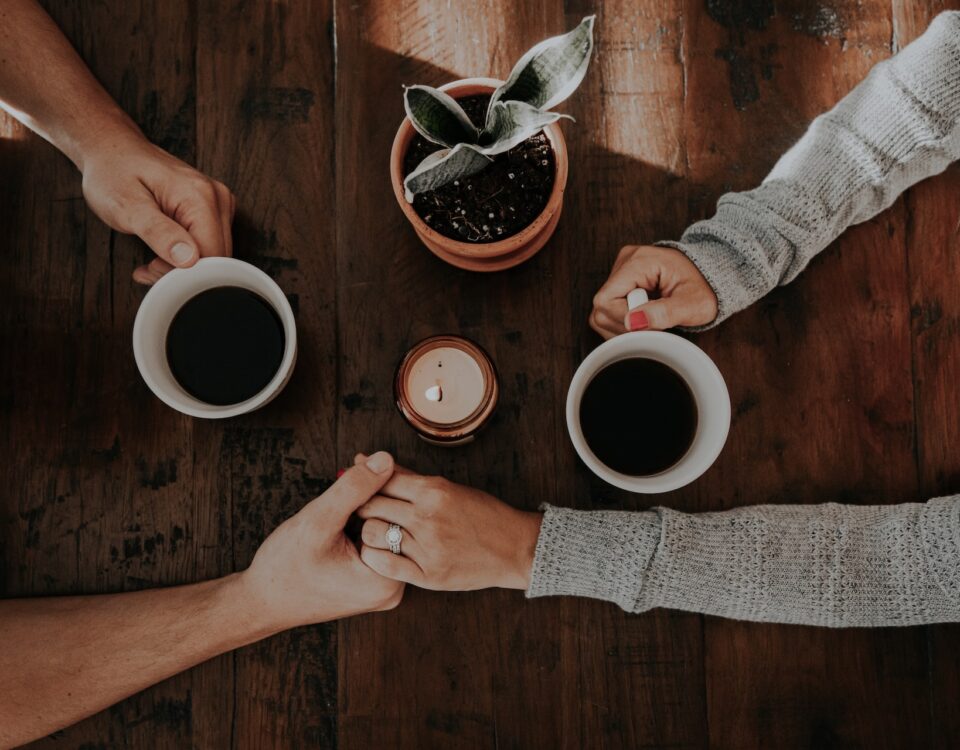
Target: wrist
<point x="112" y="131"/>
<point x="527" y="527"/>
<point x="250" y="616"/>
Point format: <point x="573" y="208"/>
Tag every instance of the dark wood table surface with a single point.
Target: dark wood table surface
<point x="844" y="384"/>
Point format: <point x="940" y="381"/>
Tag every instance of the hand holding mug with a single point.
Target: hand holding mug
<point x="684" y="298"/>
<point x="308" y="571"/>
<point x="138" y="188"/>
<point x="455" y="538"/>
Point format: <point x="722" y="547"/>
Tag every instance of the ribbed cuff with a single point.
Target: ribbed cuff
<point x="596" y="554"/>
<point x="710" y="260"/>
<point x="940" y="530"/>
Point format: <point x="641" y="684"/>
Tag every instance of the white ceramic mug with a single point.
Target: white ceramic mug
<point x="701" y="375"/>
<point x="165" y="299"/>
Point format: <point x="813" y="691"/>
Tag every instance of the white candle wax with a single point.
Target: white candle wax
<point x="445" y="385"/>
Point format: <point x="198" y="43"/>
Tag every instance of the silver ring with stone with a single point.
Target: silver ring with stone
<point x="394" y="537"/>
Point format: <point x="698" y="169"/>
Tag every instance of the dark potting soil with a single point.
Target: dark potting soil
<point x="494" y="203"/>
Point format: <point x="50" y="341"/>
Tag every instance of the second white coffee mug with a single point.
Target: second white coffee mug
<point x="705" y="382"/>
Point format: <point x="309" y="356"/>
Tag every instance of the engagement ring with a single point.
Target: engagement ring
<point x="394" y="536"/>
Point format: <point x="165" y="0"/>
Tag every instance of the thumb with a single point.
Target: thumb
<point x="657" y="315"/>
<point x="361" y="458"/>
<point x="165" y="237"/>
<point x="354" y="487"/>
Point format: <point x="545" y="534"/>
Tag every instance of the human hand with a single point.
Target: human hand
<point x="455" y="538"/>
<point x="138" y="188"/>
<point x="684" y="296"/>
<point x="308" y="571"/>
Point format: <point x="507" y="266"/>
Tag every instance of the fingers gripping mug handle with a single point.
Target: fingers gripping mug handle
<point x="636" y="298"/>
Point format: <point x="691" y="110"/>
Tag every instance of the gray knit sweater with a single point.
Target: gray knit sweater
<point x="832" y="565"/>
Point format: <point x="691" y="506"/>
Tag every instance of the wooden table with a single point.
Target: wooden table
<point x="844" y="384"/>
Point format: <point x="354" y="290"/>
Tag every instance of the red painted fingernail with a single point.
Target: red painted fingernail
<point x="638" y="320"/>
<point x="341" y="472"/>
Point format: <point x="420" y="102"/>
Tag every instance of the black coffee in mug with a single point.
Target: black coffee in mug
<point x="225" y="345"/>
<point x="638" y="416"/>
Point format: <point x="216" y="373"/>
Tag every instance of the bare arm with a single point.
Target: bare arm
<point x="65" y="658"/>
<point x="132" y="185"/>
<point x="45" y="84"/>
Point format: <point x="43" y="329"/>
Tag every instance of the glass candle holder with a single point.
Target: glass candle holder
<point x="446" y="388"/>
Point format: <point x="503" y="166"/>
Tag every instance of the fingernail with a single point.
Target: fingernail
<point x="638" y="320"/>
<point x="181" y="253"/>
<point x="341" y="472"/>
<point x="379" y="462"/>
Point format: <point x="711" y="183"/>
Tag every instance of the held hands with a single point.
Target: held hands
<point x="308" y="571"/>
<point x="455" y="538"/>
<point x="683" y="296"/>
<point x="138" y="188"/>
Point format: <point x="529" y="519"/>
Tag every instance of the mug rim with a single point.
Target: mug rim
<point x="260" y="283"/>
<point x="646" y="345"/>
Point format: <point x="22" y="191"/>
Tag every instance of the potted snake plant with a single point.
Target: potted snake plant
<point x="479" y="165"/>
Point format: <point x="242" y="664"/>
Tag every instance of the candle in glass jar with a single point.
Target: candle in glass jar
<point x="446" y="388"/>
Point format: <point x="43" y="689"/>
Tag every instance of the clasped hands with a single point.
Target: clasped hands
<point x="455" y="538"/>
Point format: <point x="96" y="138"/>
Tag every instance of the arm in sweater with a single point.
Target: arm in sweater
<point x="897" y="127"/>
<point x="831" y="565"/>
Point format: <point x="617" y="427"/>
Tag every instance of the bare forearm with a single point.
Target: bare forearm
<point x="65" y="658"/>
<point x="45" y="84"/>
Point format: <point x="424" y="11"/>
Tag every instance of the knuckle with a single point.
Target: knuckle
<point x="391" y="602"/>
<point x="392" y="565"/>
<point x="369" y="532"/>
<point x="443" y="573"/>
<point x="429" y="527"/>
<point x="435" y="490"/>
<point x="423" y="515"/>
<point x="204" y="190"/>
<point x="144" y="222"/>
<point x="706" y="311"/>
<point x="637" y="262"/>
<point x="225" y="193"/>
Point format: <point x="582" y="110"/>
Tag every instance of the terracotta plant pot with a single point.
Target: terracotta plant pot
<point x="488" y="256"/>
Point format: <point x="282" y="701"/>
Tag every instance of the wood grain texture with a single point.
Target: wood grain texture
<point x="843" y="383"/>
<point x="264" y="126"/>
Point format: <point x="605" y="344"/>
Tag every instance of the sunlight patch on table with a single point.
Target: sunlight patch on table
<point x="10" y="129"/>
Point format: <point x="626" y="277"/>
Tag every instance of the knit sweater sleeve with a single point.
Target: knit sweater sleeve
<point x="831" y="565"/>
<point x="897" y="127"/>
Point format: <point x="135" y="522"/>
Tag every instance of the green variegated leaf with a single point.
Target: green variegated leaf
<point x="550" y="71"/>
<point x="443" y="167"/>
<point x="512" y="123"/>
<point x="437" y="116"/>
